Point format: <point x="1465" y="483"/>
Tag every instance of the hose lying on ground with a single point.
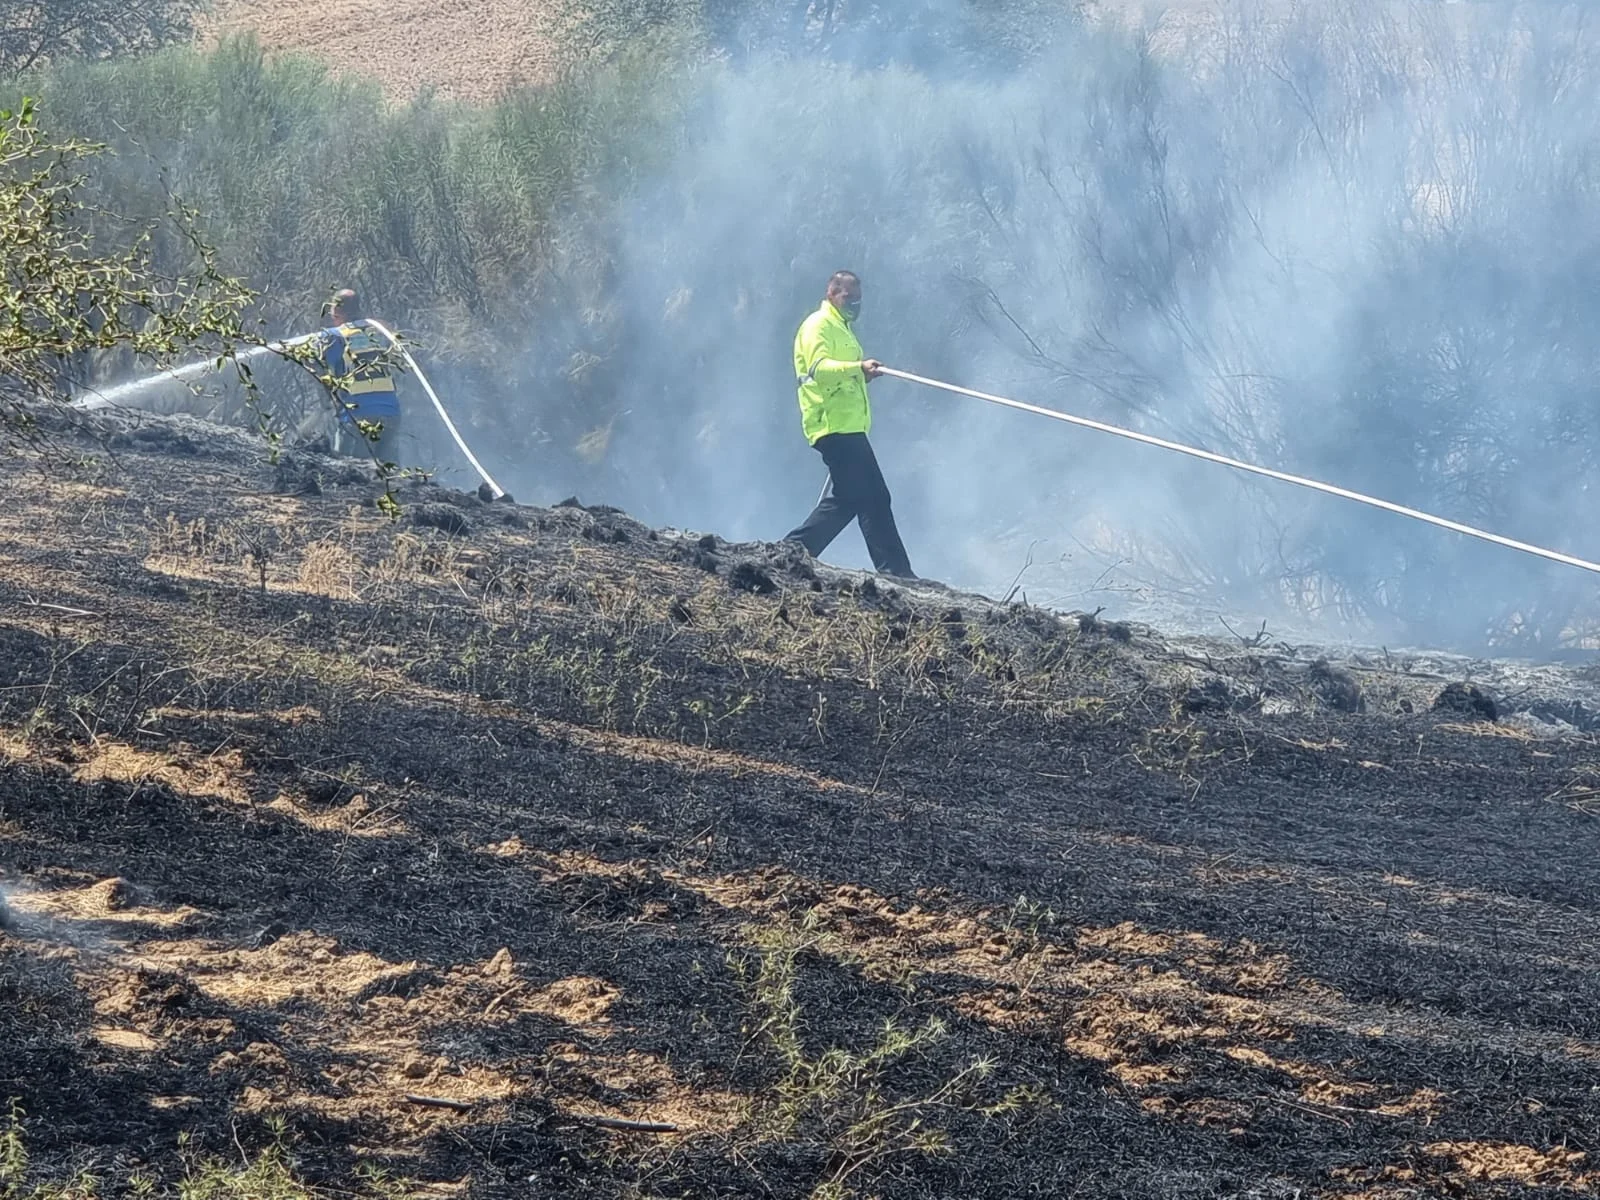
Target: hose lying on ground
<point x="437" y="403"/>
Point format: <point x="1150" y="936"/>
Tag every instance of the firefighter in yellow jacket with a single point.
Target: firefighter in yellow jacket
<point x="836" y="416"/>
<point x="354" y="356"/>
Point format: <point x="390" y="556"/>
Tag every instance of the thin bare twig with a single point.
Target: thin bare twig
<point x="629" y="1126"/>
<point x="1017" y="582"/>
<point x="440" y="1102"/>
<point x="62" y="609"/>
<point x="1253" y="641"/>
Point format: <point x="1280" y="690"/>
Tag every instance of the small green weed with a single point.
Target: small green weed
<point x="270" y="1175"/>
<point x="841" y="1101"/>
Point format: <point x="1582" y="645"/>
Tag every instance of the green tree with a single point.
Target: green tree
<point x="64" y="294"/>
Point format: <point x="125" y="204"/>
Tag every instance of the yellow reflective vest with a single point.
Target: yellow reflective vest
<point x="355" y="355"/>
<point x="827" y="368"/>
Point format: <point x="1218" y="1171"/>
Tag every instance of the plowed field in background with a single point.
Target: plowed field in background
<point x="475" y="49"/>
<point x="465" y="49"/>
<point x="563" y="822"/>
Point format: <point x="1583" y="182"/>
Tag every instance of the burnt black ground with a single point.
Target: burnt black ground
<point x="271" y="809"/>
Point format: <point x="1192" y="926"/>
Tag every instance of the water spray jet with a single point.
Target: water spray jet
<point x="122" y="392"/>
<point x="115" y="396"/>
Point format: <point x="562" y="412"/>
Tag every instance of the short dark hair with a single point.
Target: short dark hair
<point x="344" y="298"/>
<point x="841" y="278"/>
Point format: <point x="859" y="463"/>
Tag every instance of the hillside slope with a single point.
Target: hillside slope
<point x="462" y="842"/>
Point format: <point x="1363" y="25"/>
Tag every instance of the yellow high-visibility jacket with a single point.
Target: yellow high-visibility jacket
<point x="827" y="368"/>
<point x="353" y="355"/>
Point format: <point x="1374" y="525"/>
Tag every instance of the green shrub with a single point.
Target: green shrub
<point x="466" y="226"/>
<point x="65" y="294"/>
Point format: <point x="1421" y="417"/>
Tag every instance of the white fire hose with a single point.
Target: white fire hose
<point x="1236" y="464"/>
